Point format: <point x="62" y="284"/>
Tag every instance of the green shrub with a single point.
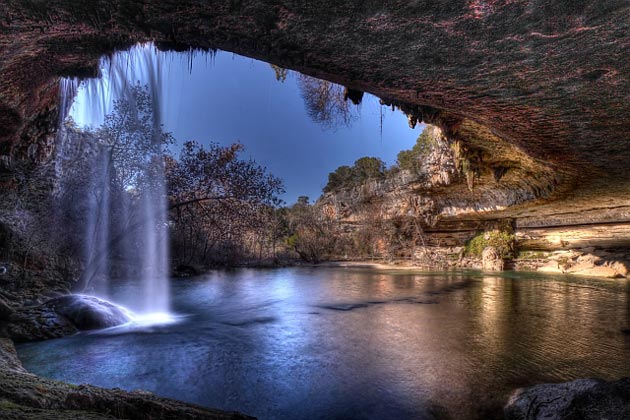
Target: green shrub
<point x="503" y="242"/>
<point x="475" y="246"/>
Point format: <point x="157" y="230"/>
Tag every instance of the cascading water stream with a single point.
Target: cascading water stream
<point x="132" y="218"/>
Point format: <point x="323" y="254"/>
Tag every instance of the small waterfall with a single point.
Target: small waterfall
<point x="125" y="216"/>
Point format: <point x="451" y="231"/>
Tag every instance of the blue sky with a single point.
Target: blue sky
<point x="229" y="98"/>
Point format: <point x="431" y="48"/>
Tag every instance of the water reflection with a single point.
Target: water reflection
<point x="359" y="344"/>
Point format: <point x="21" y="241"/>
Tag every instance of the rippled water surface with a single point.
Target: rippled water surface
<point x="353" y="343"/>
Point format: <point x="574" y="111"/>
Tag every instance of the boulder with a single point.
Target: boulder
<point x="582" y="399"/>
<point x="589" y="259"/>
<point x="580" y="266"/>
<point x="491" y="259"/>
<point x="621" y="267"/>
<point x="63" y="316"/>
<point x="89" y="312"/>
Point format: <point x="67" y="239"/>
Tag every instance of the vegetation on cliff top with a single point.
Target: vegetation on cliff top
<point x="364" y="169"/>
<point x="370" y="168"/>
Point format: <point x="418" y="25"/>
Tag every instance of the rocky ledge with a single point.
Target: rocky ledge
<point x="582" y="399"/>
<point x="589" y="263"/>
<point x="27" y="396"/>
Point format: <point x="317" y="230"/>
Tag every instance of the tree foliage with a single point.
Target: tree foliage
<point x="217" y="173"/>
<point x="221" y="205"/>
<point x="311" y="233"/>
<point x="325" y="102"/>
<point x="132" y="137"/>
<point x="363" y="169"/>
<point x="411" y="159"/>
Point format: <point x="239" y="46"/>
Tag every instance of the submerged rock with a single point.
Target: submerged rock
<point x="582" y="399"/>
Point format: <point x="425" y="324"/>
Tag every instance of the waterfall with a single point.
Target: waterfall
<point x="125" y="216"/>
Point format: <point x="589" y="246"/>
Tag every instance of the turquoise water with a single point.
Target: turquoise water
<point x="353" y="343"/>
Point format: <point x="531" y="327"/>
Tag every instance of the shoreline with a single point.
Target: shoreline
<point x="383" y="265"/>
<point x="24" y="395"/>
<point x="602" y="264"/>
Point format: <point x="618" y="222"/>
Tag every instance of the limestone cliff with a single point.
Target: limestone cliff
<point x="456" y="193"/>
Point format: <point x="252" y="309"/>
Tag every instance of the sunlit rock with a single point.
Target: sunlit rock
<point x="550" y="267"/>
<point x="598" y="271"/>
<point x="491" y="259"/>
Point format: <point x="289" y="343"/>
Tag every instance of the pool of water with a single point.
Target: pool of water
<point x="357" y="343"/>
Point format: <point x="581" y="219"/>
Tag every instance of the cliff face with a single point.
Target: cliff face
<point x="459" y="190"/>
<point x="534" y="91"/>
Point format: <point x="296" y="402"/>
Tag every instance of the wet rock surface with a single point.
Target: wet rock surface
<point x="62" y="316"/>
<point x="582" y="399"/>
<point x="89" y="312"/>
<point x="27" y="396"/>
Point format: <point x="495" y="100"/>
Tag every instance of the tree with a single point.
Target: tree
<point x="217" y="173"/>
<point x="132" y="137"/>
<point x="339" y="179"/>
<point x="367" y="168"/>
<point x="411" y="160"/>
<point x="302" y="200"/>
<point x="364" y="169"/>
<point x="325" y="102"/>
<point x="104" y="183"/>
<point x="312" y="235"/>
<point x="218" y="202"/>
<point x="280" y="72"/>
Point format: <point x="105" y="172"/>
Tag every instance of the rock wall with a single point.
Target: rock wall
<point x="452" y="206"/>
